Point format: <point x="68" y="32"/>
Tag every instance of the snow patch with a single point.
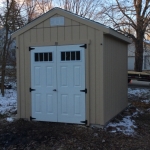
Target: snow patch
<point x="146" y="101"/>
<point x="9" y="119"/>
<point x="138" y="92"/>
<point x="126" y="126"/>
<point x="8" y="103"/>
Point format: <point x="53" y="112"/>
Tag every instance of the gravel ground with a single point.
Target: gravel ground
<point x="26" y="135"/>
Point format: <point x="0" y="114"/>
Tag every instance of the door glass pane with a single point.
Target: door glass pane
<point x="45" y="56"/>
<point x="62" y="56"/>
<point x="67" y="55"/>
<point x="72" y="55"/>
<point x="50" y="57"/>
<point x="41" y="56"/>
<point x="36" y="58"/>
<point x="77" y="55"/>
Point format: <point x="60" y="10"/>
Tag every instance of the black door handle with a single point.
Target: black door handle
<point x="55" y="90"/>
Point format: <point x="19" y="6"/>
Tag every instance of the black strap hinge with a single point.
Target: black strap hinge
<point x="31" y="118"/>
<point x="30" y="90"/>
<point x="84" y="46"/>
<point x="84" y="90"/>
<point x="31" y="48"/>
<point x="85" y="122"/>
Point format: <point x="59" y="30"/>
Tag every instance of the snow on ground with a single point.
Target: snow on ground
<point x="126" y="126"/>
<point x="146" y="101"/>
<point x="8" y="103"/>
<point x="138" y="92"/>
<point x="9" y="119"/>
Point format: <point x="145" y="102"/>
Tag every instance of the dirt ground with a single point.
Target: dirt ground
<point x="26" y="135"/>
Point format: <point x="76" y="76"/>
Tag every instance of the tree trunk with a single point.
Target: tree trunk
<point x="3" y="78"/>
<point x="138" y="65"/>
<point x="4" y="58"/>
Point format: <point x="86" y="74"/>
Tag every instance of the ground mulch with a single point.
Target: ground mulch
<point x="31" y="135"/>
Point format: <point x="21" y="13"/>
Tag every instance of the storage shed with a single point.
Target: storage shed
<point x="70" y="69"/>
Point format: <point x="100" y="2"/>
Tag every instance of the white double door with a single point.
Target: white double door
<point x="57" y="76"/>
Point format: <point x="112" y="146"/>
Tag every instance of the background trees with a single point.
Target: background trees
<point x="84" y="8"/>
<point x="31" y="9"/>
<point x="131" y="18"/>
<point x="10" y="20"/>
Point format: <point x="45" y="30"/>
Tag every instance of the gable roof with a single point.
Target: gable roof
<point x="70" y="15"/>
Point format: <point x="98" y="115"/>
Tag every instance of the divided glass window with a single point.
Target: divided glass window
<point x="70" y="56"/>
<point x="43" y="57"/>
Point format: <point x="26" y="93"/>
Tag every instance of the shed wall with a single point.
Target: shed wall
<point x="72" y="32"/>
<point x="115" y="77"/>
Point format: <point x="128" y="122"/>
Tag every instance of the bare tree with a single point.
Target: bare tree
<point x="28" y="9"/>
<point x="44" y="5"/>
<point x="31" y="9"/>
<point x="132" y="19"/>
<point x="10" y="20"/>
<point x="84" y="8"/>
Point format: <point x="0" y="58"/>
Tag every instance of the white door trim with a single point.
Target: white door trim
<point x="78" y="71"/>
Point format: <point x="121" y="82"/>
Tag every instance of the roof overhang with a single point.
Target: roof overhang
<point x="119" y="36"/>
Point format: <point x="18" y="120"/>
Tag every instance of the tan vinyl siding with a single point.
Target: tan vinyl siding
<point x="83" y="32"/>
<point x="47" y="31"/>
<point x="68" y="31"/>
<point x="72" y="31"/>
<point x="115" y="77"/>
<point x="33" y="35"/>
<point x="40" y="34"/>
<point x="61" y="33"/>
<point x="75" y="30"/>
<point x="54" y="34"/>
<point x="98" y="72"/>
